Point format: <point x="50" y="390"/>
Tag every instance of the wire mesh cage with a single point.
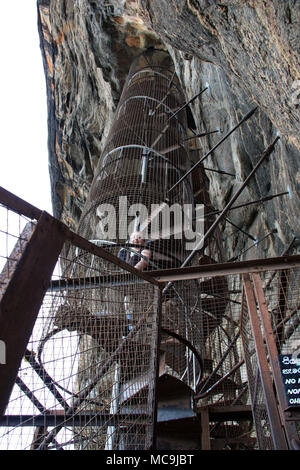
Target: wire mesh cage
<point x="87" y="377"/>
<point x="144" y="155"/>
<point x="221" y="304"/>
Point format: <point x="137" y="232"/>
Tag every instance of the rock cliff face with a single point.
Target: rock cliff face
<point x="247" y="53"/>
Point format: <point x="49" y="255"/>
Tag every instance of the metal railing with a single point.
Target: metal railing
<point x="80" y="364"/>
<point x="83" y="348"/>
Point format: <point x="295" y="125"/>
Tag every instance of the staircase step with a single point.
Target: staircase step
<point x="171" y="391"/>
<point x="181" y="434"/>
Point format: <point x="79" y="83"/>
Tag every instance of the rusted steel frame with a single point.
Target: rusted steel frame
<point x="82" y="395"/>
<point x="226" y="269"/>
<point x="290" y="428"/>
<point x="84" y="244"/>
<point x="15" y="255"/>
<point x="75" y="283"/>
<point x="156" y="339"/>
<point x="23" y="297"/>
<point x="18" y="205"/>
<point x="277" y="431"/>
<point x="245" y="118"/>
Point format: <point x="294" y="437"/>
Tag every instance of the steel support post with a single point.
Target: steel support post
<point x="156" y="338"/>
<point x="277" y="431"/>
<point x="289" y="426"/>
<point x="205" y="434"/>
<point x="23" y="297"/>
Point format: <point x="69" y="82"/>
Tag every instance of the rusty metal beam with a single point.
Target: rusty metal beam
<point x="18" y="205"/>
<point x="22" y="299"/>
<point x="277" y="431"/>
<point x="225" y="269"/>
<point x="290" y="428"/>
<point x="81" y="396"/>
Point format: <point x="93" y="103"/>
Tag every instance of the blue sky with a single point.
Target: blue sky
<point x="24" y="155"/>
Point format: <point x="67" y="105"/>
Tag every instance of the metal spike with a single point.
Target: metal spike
<point x="257" y="201"/>
<point x="252" y="246"/>
<point x="186" y="104"/>
<point x="202" y="134"/>
<point x="245" y="118"/>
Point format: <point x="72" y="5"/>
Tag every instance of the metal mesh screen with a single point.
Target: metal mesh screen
<point x="220" y="304"/>
<point x="106" y="331"/>
<point x="88" y="375"/>
<point x="224" y="384"/>
<point x="282" y="294"/>
<point x="144" y="155"/>
<point x="259" y="409"/>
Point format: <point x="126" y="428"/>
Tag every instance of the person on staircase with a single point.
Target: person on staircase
<point x="139" y="256"/>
